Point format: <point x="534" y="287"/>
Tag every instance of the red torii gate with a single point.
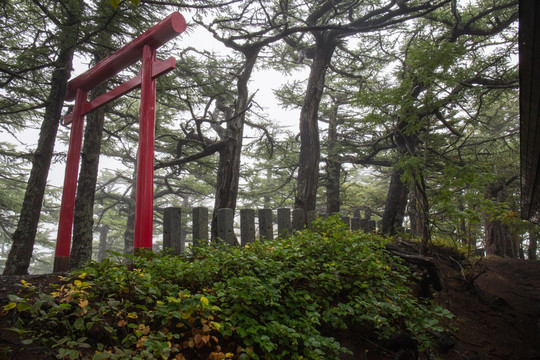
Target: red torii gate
<point x="143" y="47"/>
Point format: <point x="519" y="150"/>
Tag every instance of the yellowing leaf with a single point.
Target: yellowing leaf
<point x="204" y="301"/>
<point x="23" y="307"/>
<point x="77" y="283"/>
<point x="26" y="283"/>
<point x="186" y="315"/>
<point x="132" y="315"/>
<point x="11" y="305"/>
<point x="122" y="323"/>
<point x="141" y="342"/>
<point x="145" y="329"/>
<point x="83" y="303"/>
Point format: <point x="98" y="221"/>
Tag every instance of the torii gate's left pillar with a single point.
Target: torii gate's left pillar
<point x="142" y="48"/>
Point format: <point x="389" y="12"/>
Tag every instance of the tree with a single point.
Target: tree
<point x="440" y="73"/>
<point x="63" y="23"/>
<point x="106" y="25"/>
<point x="331" y="23"/>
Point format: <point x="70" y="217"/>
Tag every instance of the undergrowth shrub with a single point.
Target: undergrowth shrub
<point x="278" y="299"/>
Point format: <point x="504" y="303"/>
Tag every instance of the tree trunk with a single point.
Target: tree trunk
<point x="333" y="167"/>
<point x="129" y="233"/>
<point x="500" y="240"/>
<point x="229" y="157"/>
<point x="396" y="202"/>
<point x="310" y="149"/>
<point x="102" y="249"/>
<point x="24" y="236"/>
<point x="83" y="219"/>
<point x="414" y="213"/>
<point x="462" y="226"/>
<point x="534" y="235"/>
<point x="421" y="187"/>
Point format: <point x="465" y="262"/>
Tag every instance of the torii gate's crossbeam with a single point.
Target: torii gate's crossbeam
<point x="143" y="47"/>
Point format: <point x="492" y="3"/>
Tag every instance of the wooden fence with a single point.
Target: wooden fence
<point x="174" y="233"/>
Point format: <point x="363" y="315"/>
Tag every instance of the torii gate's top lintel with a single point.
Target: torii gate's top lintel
<point x="155" y="37"/>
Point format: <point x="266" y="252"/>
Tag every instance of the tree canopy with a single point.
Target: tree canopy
<point x="402" y="111"/>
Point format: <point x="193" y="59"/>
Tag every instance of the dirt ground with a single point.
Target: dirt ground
<point x="496" y="303"/>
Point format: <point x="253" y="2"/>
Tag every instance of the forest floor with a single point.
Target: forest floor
<point x="496" y="303"/>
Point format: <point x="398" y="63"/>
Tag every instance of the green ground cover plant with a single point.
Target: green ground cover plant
<point x="281" y="299"/>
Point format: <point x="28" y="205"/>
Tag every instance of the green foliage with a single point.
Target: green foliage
<point x="115" y="3"/>
<point x="271" y="300"/>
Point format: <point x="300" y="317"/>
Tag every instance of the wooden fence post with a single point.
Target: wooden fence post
<point x="225" y="229"/>
<point x="266" y="231"/>
<point x="283" y="221"/>
<point x="364" y="225"/>
<point x="200" y="226"/>
<point x="247" y="226"/>
<point x="172" y="225"/>
<point x="172" y="231"/>
<point x="355" y="223"/>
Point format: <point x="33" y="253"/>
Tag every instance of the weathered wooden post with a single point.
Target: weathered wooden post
<point x="200" y="226"/>
<point x="225" y="228"/>
<point x="364" y="225"/>
<point x="284" y="221"/>
<point x="266" y="231"/>
<point x="355" y="223"/>
<point x="172" y="231"/>
<point x="247" y="226"/>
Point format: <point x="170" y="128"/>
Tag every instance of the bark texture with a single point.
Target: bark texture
<point x="83" y="219"/>
<point x="333" y="167"/>
<point x="129" y="233"/>
<point x="24" y="236"/>
<point x="533" y="244"/>
<point x="500" y="240"/>
<point x="396" y="202"/>
<point x="102" y="250"/>
<point x="310" y="148"/>
<point x="229" y="157"/>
